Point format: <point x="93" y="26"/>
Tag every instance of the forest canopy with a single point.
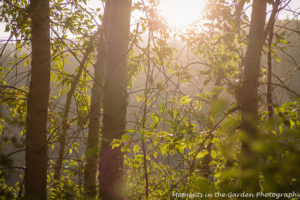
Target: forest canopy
<point x="149" y="99"/>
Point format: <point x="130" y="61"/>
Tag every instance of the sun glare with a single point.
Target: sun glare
<point x="179" y="13"/>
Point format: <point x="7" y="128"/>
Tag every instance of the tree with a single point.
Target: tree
<point x="115" y="98"/>
<point x="249" y="96"/>
<point x="37" y="105"/>
<point x="92" y="149"/>
<point x="65" y="125"/>
<point x="270" y="26"/>
<point x="182" y="101"/>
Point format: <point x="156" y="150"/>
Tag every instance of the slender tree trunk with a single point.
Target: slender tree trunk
<point x="144" y="147"/>
<point x="249" y="96"/>
<point x="207" y="159"/>
<point x="238" y="13"/>
<point x="92" y="149"/>
<point x="65" y="119"/>
<point x="269" y="81"/>
<point x="270" y="31"/>
<point x="115" y="99"/>
<point x="37" y="105"/>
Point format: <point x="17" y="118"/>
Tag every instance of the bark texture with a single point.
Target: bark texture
<point x="94" y="127"/>
<point x="37" y="105"/>
<point x="114" y="99"/>
<point x="92" y="149"/>
<point x="249" y="96"/>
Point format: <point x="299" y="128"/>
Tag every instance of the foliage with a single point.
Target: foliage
<point x="183" y="117"/>
<point x="67" y="188"/>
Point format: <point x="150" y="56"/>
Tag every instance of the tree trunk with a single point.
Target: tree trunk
<point x="270" y="31"/>
<point x="65" y="119"/>
<point x="269" y="81"/>
<point x="249" y="97"/>
<point x="207" y="158"/>
<point x="92" y="149"/>
<point x="114" y="99"/>
<point x="238" y="13"/>
<point x="37" y="105"/>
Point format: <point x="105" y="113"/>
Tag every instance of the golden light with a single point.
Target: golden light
<point x="180" y="13"/>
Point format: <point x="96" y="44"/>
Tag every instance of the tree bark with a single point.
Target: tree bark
<point x="37" y="103"/>
<point x="238" y="13"/>
<point x="270" y="31"/>
<point x="249" y="96"/>
<point x="114" y="99"/>
<point x="92" y="149"/>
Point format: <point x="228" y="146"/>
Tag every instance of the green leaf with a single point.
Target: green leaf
<point x="283" y="41"/>
<point x="7" y="29"/>
<point x="125" y="137"/>
<point x="155" y="118"/>
<point x="164" y="149"/>
<point x="201" y="154"/>
<point x="26" y="63"/>
<point x="136" y="148"/>
<point x="115" y="143"/>
<point x="213" y="154"/>
<point x="181" y="147"/>
<point x="185" y="100"/>
<point x="19" y="46"/>
<point x="125" y="149"/>
<point x="277" y="58"/>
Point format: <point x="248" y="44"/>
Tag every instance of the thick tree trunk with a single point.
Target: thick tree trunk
<point x="92" y="149"/>
<point x="115" y="99"/>
<point x="37" y="105"/>
<point x="249" y="96"/>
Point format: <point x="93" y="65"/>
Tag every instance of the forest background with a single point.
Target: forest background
<point x="109" y="100"/>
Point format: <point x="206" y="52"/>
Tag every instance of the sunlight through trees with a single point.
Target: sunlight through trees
<point x="149" y="99"/>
